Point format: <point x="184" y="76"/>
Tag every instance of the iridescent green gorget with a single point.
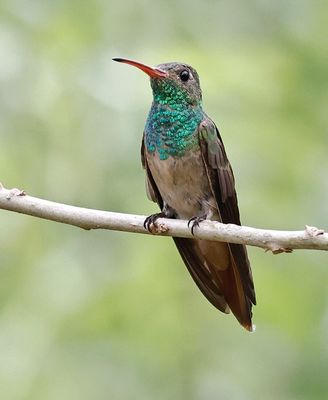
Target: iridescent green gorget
<point x="171" y="127"/>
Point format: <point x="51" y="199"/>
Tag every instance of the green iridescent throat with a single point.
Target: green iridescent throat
<point x="171" y="127"/>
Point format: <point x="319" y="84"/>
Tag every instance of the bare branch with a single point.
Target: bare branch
<point x="275" y="241"/>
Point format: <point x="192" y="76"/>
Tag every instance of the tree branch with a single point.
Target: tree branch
<point x="276" y="241"/>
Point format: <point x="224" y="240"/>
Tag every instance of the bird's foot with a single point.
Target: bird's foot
<point x="194" y="222"/>
<point x="150" y="222"/>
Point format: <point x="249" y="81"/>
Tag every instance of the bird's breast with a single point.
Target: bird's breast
<point x="182" y="183"/>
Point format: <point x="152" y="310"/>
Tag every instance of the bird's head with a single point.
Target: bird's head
<point x="172" y="83"/>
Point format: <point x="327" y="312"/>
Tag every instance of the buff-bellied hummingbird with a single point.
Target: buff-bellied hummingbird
<point x="189" y="176"/>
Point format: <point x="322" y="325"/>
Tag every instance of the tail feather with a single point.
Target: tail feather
<point x="214" y="269"/>
<point x="196" y="266"/>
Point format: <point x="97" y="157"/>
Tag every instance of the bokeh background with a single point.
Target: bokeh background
<point x="107" y="315"/>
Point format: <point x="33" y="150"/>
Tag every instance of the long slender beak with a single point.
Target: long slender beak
<point x="151" y="71"/>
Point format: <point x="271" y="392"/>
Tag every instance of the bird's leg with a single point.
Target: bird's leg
<point x="206" y="212"/>
<point x="194" y="222"/>
<point x="167" y="212"/>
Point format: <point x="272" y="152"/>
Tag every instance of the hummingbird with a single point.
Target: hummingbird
<point x="189" y="176"/>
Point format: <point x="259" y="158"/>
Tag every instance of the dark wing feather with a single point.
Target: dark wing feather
<point x="223" y="186"/>
<point x="151" y="188"/>
<point x="203" y="278"/>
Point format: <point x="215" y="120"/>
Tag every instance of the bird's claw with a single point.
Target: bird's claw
<point x="194" y="222"/>
<point x="151" y="220"/>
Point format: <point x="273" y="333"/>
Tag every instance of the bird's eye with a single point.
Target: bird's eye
<point x="184" y="75"/>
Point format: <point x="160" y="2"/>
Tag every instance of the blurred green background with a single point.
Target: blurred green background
<point x="107" y="315"/>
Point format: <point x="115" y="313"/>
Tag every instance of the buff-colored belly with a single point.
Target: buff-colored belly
<point x="183" y="184"/>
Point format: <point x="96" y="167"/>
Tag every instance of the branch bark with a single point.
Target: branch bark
<point x="274" y="240"/>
